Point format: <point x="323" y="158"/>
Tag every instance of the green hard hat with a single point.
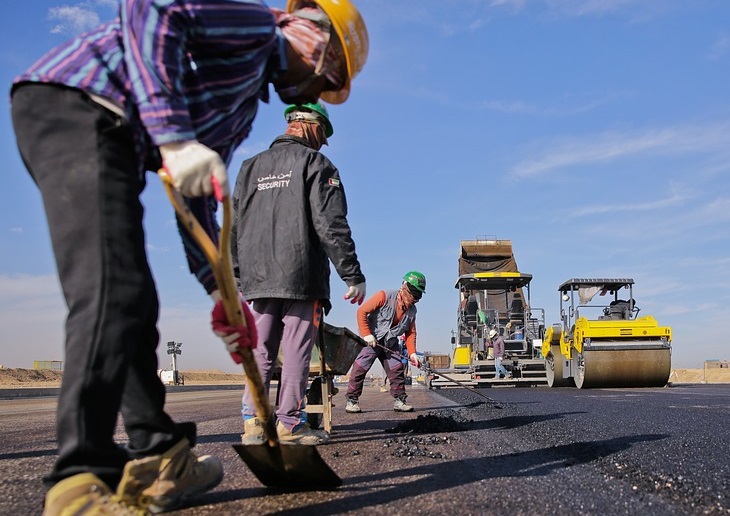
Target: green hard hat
<point x="416" y="279"/>
<point x="316" y="108"/>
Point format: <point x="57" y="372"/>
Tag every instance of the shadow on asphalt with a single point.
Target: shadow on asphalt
<point x="502" y="423"/>
<point x="232" y="437"/>
<point x="511" y="422"/>
<point x="29" y="454"/>
<point x="447" y="475"/>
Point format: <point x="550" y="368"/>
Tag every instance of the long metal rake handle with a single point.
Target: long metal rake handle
<point x="460" y="384"/>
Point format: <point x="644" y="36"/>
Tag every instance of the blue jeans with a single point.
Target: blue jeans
<point x="499" y="368"/>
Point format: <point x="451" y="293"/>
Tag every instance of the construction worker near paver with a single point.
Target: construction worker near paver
<point x="498" y="346"/>
<point x="290" y="200"/>
<point x="173" y="83"/>
<point x="381" y="320"/>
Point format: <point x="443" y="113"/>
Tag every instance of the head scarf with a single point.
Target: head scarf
<point x="407" y="299"/>
<point x="309" y="39"/>
<point x="313" y="132"/>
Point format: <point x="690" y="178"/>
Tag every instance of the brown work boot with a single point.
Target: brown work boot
<point x="163" y="482"/>
<point x="85" y="493"/>
<point x="253" y="432"/>
<point x="302" y="435"/>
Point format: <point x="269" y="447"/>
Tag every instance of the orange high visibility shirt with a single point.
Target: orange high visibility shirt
<point x="373" y="304"/>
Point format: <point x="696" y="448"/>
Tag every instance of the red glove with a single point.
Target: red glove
<point x="234" y="337"/>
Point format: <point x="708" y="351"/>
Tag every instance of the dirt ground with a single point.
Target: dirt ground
<point x="709" y="375"/>
<point x="22" y="378"/>
<point x="29" y="378"/>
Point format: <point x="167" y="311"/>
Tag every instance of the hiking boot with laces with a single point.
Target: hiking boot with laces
<point x="165" y="481"/>
<point x="353" y="407"/>
<point x="253" y="432"/>
<point x="302" y="434"/>
<point x="85" y="493"/>
<point x="400" y="405"/>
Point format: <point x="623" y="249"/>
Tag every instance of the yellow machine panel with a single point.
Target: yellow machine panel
<point x="462" y="357"/>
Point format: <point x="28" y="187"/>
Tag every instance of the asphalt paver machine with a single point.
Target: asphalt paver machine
<point x="494" y="295"/>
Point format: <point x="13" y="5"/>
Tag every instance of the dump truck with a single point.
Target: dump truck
<point x="602" y="342"/>
<point x="493" y="294"/>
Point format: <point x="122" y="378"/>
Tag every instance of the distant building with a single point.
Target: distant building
<point x="54" y="365"/>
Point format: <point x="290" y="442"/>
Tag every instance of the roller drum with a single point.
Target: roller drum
<point x="623" y="368"/>
<point x="554" y="369"/>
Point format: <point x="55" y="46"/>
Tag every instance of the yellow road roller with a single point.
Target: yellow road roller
<point x="602" y="342"/>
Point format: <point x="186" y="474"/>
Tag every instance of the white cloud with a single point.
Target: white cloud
<point x="514" y="4"/>
<point x="674" y="199"/>
<point x="614" y="145"/>
<point x="587" y="7"/>
<point x="72" y="19"/>
<point x="522" y="108"/>
<point x="247" y="150"/>
<point x="720" y="48"/>
<point x="571" y="8"/>
<point x="16" y="230"/>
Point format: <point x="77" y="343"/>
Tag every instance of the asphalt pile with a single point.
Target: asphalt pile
<point x="433" y="422"/>
<point x="413" y="446"/>
<point x="416" y="444"/>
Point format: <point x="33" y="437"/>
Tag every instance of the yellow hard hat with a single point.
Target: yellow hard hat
<point x="353" y="34"/>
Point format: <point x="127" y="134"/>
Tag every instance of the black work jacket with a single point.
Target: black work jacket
<point x="290" y="219"/>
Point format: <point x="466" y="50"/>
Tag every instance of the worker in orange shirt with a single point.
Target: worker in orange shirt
<point x="381" y="320"/>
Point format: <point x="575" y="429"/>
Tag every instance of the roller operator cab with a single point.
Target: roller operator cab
<point x="602" y="342"/>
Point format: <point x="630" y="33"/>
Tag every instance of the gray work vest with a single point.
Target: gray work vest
<point x="381" y="320"/>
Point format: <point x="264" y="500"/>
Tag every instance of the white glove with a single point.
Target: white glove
<point x="193" y="166"/>
<point x="356" y="293"/>
<point x="371" y="340"/>
<point x="414" y="360"/>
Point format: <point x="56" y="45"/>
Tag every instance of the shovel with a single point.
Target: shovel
<point x="292" y="466"/>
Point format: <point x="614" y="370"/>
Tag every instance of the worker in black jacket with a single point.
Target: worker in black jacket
<point x="290" y="220"/>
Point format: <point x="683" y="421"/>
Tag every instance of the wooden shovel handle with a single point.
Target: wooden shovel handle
<point x="220" y="263"/>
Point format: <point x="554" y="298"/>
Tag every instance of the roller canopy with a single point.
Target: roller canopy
<point x="612" y="284"/>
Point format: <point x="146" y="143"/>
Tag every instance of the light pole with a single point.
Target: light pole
<point x="173" y="348"/>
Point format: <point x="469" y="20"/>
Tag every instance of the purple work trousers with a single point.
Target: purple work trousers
<point x="393" y="368"/>
<point x="290" y="325"/>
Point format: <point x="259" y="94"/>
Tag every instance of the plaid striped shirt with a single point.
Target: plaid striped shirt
<point x="180" y="70"/>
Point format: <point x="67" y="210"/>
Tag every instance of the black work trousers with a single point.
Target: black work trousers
<point x="82" y="158"/>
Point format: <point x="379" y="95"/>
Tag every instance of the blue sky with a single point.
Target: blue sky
<point x="594" y="134"/>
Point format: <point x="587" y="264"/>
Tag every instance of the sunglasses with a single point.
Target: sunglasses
<point x="417" y="294"/>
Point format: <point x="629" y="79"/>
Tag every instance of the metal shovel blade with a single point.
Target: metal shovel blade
<point x="295" y="467"/>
